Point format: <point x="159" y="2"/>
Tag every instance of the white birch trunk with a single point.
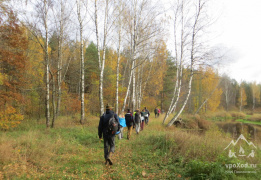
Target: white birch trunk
<point x="128" y="89"/>
<point x="134" y="62"/>
<point x="118" y="58"/>
<point x="53" y="99"/>
<point x="118" y="72"/>
<point x="185" y="102"/>
<point x="176" y="92"/>
<point x="140" y="87"/>
<point x="192" y="60"/>
<point x="178" y="83"/>
<point x="59" y="63"/>
<point x="133" y="89"/>
<point x="47" y="98"/>
<point x="101" y="62"/>
<point x="82" y="62"/>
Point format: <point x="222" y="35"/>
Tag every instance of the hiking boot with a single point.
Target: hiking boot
<point x="109" y="161"/>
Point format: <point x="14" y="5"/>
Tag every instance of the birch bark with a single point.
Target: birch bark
<point x="195" y="29"/>
<point x="82" y="61"/>
<point x="47" y="80"/>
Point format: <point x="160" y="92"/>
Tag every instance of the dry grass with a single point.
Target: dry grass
<point x="70" y="148"/>
<point x="196" y="122"/>
<point x="221" y="114"/>
<point x="255" y="117"/>
<point x="235" y="114"/>
<point x="202" y="146"/>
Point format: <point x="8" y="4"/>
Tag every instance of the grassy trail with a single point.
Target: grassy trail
<point x="137" y="158"/>
<point x="73" y="151"/>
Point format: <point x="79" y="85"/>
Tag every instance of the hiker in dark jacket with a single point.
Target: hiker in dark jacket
<point x="156" y="111"/>
<point x="137" y="120"/>
<point x="146" y="115"/>
<point x="129" y="123"/>
<point x="109" y="139"/>
<point x="142" y="113"/>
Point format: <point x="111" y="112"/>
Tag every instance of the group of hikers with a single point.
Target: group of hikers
<point x="157" y="112"/>
<point x="111" y="124"/>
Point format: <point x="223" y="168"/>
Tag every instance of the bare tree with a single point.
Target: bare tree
<point x="143" y="27"/>
<point x="41" y="31"/>
<point x="45" y="19"/>
<point x="179" y="53"/>
<point x="120" y="8"/>
<point x="101" y="60"/>
<point x="196" y="26"/>
<point x="82" y="59"/>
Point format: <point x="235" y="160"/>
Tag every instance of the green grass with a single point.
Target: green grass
<point x="248" y="122"/>
<point x="72" y="151"/>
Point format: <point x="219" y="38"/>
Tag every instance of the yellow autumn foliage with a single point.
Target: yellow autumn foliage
<point x="209" y="83"/>
<point x="10" y="118"/>
<point x="206" y="88"/>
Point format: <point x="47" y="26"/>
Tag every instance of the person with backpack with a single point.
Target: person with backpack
<point x="108" y="126"/>
<point x="142" y="113"/>
<point x="156" y="111"/>
<point x="137" y="120"/>
<point x="146" y="115"/>
<point x="122" y="126"/>
<point x="129" y="123"/>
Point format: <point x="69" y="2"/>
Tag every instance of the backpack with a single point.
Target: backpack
<point x="137" y="118"/>
<point x="128" y="117"/>
<point x="113" y="126"/>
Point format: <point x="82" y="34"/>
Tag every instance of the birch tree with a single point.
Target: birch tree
<point x="101" y="59"/>
<point x="143" y="27"/>
<point x="80" y="20"/>
<point x="61" y="17"/>
<point x="195" y="25"/>
<point x="179" y="53"/>
<point x="41" y="31"/>
<point x="120" y="7"/>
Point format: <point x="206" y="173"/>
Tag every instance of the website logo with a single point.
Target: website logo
<point x="241" y="148"/>
<point x="241" y="140"/>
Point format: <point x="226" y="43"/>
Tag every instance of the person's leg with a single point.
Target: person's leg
<point x="106" y="148"/>
<point x="129" y="132"/>
<point x="120" y="136"/>
<point x="131" y="127"/>
<point x="111" y="142"/>
<point x="137" y="128"/>
<point x="122" y="129"/>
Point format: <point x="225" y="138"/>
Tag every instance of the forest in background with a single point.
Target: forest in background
<point x="49" y="69"/>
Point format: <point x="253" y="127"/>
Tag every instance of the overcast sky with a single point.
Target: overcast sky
<point x="239" y="29"/>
